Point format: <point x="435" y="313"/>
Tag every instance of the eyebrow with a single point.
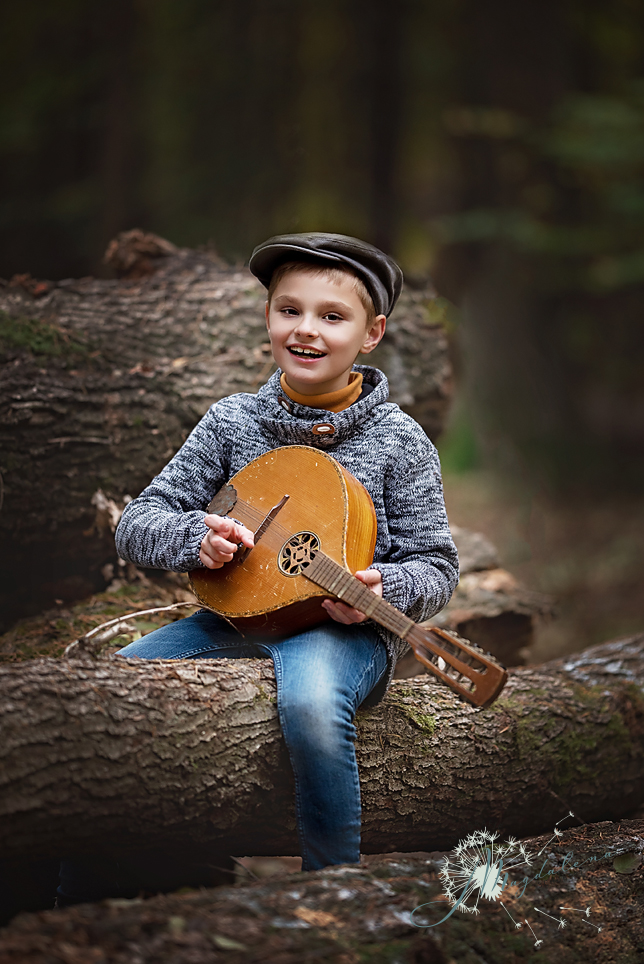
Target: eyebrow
<point x="326" y="306"/>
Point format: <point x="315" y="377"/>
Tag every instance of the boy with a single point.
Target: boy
<point x="328" y="299"/>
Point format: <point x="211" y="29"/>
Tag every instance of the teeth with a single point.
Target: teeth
<point x="306" y="351"/>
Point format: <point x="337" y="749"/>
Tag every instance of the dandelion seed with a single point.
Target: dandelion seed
<point x="517" y="924"/>
<point x="558" y="920"/>
<point x="577" y="910"/>
<point x="555" y="832"/>
<point x="536" y="941"/>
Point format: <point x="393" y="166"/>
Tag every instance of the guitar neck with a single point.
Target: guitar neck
<point x="472" y="674"/>
<point x="328" y="574"/>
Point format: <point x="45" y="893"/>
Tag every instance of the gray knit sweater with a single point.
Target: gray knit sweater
<point x="378" y="443"/>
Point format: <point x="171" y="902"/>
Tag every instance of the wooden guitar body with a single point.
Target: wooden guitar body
<point x="325" y="500"/>
<point x="314" y="526"/>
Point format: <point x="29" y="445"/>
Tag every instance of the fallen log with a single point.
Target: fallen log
<point x="107" y="754"/>
<point x="352" y="914"/>
<point x="101" y="381"/>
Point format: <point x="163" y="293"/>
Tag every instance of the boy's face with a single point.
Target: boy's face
<point x="317" y="328"/>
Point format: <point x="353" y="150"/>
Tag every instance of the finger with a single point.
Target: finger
<point x="371" y="578"/>
<point x="353" y="614"/>
<point x="343" y="613"/>
<point x="208" y="560"/>
<point x="220" y="545"/>
<point x="218" y="550"/>
<point x="338" y="617"/>
<point x="219" y="524"/>
<point x="228" y="529"/>
<point x="243" y="535"/>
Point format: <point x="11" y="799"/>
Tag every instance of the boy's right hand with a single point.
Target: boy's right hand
<point x="219" y="545"/>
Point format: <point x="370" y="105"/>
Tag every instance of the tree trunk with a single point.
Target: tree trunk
<point x="108" y="754"/>
<point x="353" y="914"/>
<point x="101" y="382"/>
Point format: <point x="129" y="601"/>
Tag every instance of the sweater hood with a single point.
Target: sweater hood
<point x="290" y="423"/>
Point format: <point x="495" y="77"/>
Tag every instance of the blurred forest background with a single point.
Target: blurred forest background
<point x="495" y="146"/>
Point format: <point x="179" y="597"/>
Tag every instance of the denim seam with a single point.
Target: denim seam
<point x="277" y="663"/>
<point x="364" y="673"/>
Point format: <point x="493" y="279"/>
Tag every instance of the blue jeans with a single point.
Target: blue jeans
<point x="322" y="676"/>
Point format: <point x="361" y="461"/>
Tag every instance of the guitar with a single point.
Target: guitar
<point x="315" y="525"/>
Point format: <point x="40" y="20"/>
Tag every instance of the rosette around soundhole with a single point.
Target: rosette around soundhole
<point x="296" y="554"/>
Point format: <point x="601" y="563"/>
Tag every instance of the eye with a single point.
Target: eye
<point x="333" y="316"/>
<point x="289" y="311"/>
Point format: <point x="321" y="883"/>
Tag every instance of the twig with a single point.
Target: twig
<point x="87" y="644"/>
<point x="247" y="869"/>
<point x="90" y="439"/>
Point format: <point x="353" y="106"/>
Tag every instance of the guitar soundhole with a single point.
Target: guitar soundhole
<point x="296" y="554"/>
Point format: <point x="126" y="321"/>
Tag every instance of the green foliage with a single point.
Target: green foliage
<point x="457" y="447"/>
<point x="579" y="203"/>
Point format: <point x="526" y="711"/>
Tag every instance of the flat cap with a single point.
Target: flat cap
<point x="380" y="273"/>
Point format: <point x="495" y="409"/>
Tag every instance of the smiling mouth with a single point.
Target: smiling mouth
<point x="305" y="352"/>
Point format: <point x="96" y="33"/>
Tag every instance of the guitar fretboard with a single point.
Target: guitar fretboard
<point x="324" y="572"/>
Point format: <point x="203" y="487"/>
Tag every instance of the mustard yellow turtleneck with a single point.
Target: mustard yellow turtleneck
<point x="331" y="401"/>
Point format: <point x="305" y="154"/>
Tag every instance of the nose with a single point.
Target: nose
<point x="307" y="325"/>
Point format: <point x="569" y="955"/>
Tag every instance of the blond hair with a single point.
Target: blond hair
<point x="333" y="273"/>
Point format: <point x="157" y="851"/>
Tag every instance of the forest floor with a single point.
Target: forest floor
<point x="572" y="899"/>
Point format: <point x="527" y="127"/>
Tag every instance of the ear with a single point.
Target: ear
<point x="268" y="327"/>
<point x="374" y="335"/>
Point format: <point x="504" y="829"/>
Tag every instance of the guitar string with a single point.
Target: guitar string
<point x="351" y="588"/>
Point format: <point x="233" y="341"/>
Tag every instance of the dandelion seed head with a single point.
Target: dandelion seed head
<point x="474" y="868"/>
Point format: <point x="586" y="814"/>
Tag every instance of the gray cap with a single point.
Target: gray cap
<point x="380" y="273"/>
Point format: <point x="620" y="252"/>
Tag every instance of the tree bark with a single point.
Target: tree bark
<point x="113" y="753"/>
<point x="352" y="914"/>
<point x="101" y="382"/>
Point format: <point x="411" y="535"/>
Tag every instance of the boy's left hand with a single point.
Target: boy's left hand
<point x="347" y="614"/>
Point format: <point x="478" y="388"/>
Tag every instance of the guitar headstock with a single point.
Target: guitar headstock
<point x="474" y="675"/>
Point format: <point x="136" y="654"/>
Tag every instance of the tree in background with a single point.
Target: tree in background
<point x="498" y="146"/>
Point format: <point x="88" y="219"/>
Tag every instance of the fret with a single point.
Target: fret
<point x="328" y="574"/>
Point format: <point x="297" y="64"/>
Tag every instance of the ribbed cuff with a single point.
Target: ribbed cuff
<point x="191" y="558"/>
<point x="394" y="583"/>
